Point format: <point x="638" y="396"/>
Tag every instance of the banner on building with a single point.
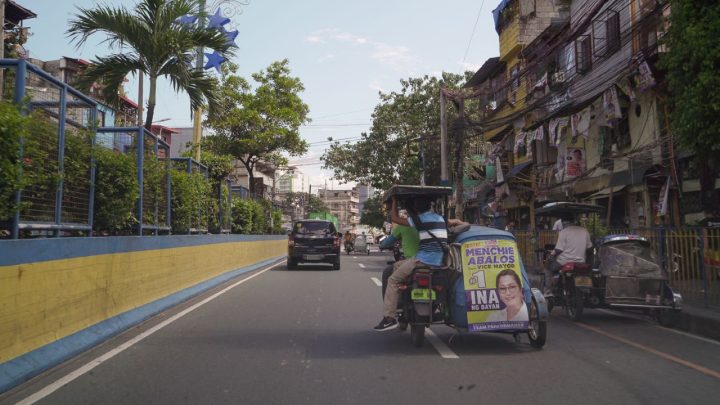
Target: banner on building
<point x="575" y="162"/>
<point x="663" y="198"/>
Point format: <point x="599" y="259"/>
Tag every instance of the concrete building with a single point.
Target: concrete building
<point x="343" y="204"/>
<point x="364" y="193"/>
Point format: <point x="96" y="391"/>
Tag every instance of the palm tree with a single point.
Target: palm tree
<point x="149" y="40"/>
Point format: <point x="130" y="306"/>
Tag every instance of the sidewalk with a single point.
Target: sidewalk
<point x="694" y="318"/>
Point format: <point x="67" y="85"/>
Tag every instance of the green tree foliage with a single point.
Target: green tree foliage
<point x="373" y="213"/>
<point x="116" y="191"/>
<point x="310" y="202"/>
<point x="13" y="128"/>
<point x="691" y="64"/>
<point x="258" y="124"/>
<point x="242" y="215"/>
<point x="405" y="125"/>
<point x="192" y="201"/>
<point x="148" y="40"/>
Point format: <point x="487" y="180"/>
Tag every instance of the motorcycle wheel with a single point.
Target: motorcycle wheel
<point x="538" y="329"/>
<point x="417" y="334"/>
<point x="573" y="302"/>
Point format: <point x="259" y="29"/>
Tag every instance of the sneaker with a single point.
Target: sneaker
<point x="386" y="324"/>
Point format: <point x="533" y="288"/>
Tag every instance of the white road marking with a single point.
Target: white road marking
<point x="362" y="266"/>
<point x="679" y="332"/>
<point x="442" y="349"/>
<point x="41" y="394"/>
<point x="440" y="346"/>
<point x="354" y="257"/>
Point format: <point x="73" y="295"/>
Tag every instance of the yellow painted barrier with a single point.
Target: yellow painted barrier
<point x="45" y="301"/>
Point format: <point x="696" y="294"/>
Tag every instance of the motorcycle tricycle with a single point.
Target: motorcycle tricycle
<point x="622" y="272"/>
<point x="481" y="287"/>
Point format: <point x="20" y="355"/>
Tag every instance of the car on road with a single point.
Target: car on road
<point x="313" y="241"/>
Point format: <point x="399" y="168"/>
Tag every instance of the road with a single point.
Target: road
<point x="305" y="337"/>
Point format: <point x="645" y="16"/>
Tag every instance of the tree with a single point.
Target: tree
<point x="373" y="213"/>
<point x="260" y="124"/>
<point x="310" y="202"/>
<point x="149" y="40"/>
<point x="406" y="126"/>
<point x="691" y="66"/>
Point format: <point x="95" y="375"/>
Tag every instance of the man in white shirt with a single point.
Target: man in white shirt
<point x="558" y="225"/>
<point x="572" y="244"/>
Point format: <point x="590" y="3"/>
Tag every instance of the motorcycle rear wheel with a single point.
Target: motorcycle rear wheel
<point x="417" y="334"/>
<point x="573" y="302"/>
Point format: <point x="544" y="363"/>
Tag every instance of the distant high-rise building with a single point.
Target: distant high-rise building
<point x="364" y="193"/>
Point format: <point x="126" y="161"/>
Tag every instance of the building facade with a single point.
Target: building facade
<point x="343" y="204"/>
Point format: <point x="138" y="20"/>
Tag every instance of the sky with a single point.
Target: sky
<point x="344" y="52"/>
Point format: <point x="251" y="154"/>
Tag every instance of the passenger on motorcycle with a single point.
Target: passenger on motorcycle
<point x="409" y="240"/>
<point x="571" y="247"/>
<point x="433" y="233"/>
<point x="349" y="239"/>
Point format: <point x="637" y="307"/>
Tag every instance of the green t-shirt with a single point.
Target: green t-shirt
<point x="409" y="239"/>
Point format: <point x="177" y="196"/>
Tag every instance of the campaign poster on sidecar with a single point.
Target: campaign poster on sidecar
<point x="493" y="286"/>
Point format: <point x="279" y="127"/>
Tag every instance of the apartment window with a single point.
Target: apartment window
<point x="583" y="54"/>
<point x="514" y="83"/>
<point x="612" y="32"/>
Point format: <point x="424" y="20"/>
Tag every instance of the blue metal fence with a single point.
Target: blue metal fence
<point x="63" y="201"/>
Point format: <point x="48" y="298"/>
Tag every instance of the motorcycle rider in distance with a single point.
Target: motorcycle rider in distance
<point x="431" y="252"/>
<point x="571" y="247"/>
<point x="349" y="240"/>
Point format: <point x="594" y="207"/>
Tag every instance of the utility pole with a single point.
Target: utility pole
<point x="2" y="46"/>
<point x="460" y="160"/>
<point x="443" y="139"/>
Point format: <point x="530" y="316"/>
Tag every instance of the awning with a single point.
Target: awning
<point x="606" y="192"/>
<point x="517" y="169"/>
<point x="591" y="184"/>
<point x="635" y="175"/>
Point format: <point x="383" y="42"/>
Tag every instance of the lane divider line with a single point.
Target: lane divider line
<point x="49" y="389"/>
<point x="666" y="356"/>
<point x="443" y="349"/>
<point x="362" y="266"/>
<point x="679" y="332"/>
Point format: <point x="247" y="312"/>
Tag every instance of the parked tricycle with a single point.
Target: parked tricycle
<point x="482" y="287"/>
<point x="622" y="272"/>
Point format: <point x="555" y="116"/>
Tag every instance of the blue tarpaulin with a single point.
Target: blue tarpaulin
<point x="499" y="9"/>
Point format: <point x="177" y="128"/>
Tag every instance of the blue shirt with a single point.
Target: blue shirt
<point x="431" y="251"/>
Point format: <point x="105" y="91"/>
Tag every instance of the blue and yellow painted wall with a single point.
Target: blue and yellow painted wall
<point x="60" y="296"/>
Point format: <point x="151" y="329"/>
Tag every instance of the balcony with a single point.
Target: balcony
<point x="510" y="40"/>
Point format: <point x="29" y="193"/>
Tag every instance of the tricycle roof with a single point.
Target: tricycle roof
<point x="405" y="191"/>
<point x="483" y="233"/>
<point x="556" y="208"/>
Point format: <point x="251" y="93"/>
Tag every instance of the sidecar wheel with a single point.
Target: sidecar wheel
<point x="538" y="328"/>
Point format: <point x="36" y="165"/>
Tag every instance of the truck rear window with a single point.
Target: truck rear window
<point x="317" y="228"/>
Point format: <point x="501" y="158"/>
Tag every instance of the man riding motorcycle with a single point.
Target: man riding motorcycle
<point x="571" y="247"/>
<point x="349" y="239"/>
<point x="433" y="241"/>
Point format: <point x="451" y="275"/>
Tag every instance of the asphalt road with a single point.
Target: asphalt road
<point x="305" y="337"/>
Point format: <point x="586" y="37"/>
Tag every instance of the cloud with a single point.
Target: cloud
<point x="397" y="57"/>
<point x="473" y="67"/>
<point x="375" y="85"/>
<point x="326" y="58"/>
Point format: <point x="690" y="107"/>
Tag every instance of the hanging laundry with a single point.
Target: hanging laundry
<point x="539" y="133"/>
<point x="644" y="78"/>
<point x="580" y="124"/>
<point x="528" y="144"/>
<point x="626" y="87"/>
<point x="560" y="163"/>
<point x="519" y="142"/>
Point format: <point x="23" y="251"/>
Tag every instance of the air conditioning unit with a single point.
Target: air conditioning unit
<point x="558" y="77"/>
